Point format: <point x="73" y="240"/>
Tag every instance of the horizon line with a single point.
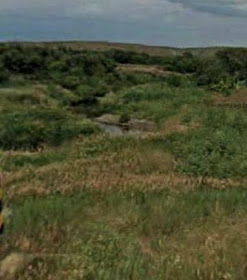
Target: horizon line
<point x="114" y="43"/>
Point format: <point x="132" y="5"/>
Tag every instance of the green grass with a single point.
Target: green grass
<point x="217" y="148"/>
<point x="134" y="234"/>
<point x="18" y="161"/>
<point x="152" y="101"/>
<point x="32" y="128"/>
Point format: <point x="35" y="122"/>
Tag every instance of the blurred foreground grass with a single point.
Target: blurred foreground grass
<point x="115" y="208"/>
<point x="199" y="234"/>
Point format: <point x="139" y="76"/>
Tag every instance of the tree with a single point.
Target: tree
<point x="234" y="61"/>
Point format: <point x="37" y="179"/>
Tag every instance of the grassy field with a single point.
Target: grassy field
<point x="115" y="208"/>
<point x="84" y="203"/>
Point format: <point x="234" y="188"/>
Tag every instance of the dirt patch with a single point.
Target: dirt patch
<point x="141" y="125"/>
<point x="13" y="264"/>
<point x="238" y="100"/>
<point x="173" y="125"/>
<point x="148" y="69"/>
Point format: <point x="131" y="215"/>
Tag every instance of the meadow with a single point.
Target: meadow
<point x="84" y="203"/>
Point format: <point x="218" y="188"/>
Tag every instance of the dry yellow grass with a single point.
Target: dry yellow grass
<point x="129" y="167"/>
<point x="236" y="100"/>
<point x="148" y="69"/>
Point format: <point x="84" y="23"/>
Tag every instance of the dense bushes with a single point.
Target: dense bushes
<point x="31" y="128"/>
<point x="212" y="74"/>
<point x="70" y="68"/>
<point x="4" y="75"/>
<point x="234" y="61"/>
<point x="221" y="72"/>
<point x="225" y="71"/>
<point x="218" y="149"/>
<point x="64" y="66"/>
<point x="185" y="63"/>
<point x="20" y="61"/>
<point x="129" y="57"/>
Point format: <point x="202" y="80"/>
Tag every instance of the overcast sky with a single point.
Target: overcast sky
<point x="179" y="23"/>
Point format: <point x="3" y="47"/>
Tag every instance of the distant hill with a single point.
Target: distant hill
<point x="103" y="46"/>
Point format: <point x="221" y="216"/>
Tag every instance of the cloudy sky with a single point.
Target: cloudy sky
<point x="177" y="23"/>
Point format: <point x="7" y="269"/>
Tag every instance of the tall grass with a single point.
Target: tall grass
<point x="216" y="149"/>
<point x="134" y="234"/>
<point x="31" y="128"/>
<point x="153" y="101"/>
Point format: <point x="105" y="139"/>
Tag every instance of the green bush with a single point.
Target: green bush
<point x="217" y="149"/>
<point x="23" y="61"/>
<point x="234" y="61"/>
<point x="179" y="81"/>
<point x="29" y="129"/>
<point x="58" y="66"/>
<point x="185" y="63"/>
<point x="70" y="82"/>
<point x="4" y="75"/>
<point x="124" y="118"/>
<point x="130" y="57"/>
<point x="63" y="96"/>
<point x="86" y="96"/>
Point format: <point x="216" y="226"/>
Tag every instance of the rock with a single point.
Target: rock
<point x="141" y="125"/>
<point x="112" y="125"/>
<point x="108" y="119"/>
<point x="13" y="264"/>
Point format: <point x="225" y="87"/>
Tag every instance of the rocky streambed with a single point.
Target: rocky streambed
<point x="111" y="124"/>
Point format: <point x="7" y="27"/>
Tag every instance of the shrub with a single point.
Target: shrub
<point x="30" y="129"/>
<point x="86" y="96"/>
<point x="211" y="72"/>
<point x="58" y="66"/>
<point x="130" y="57"/>
<point x="63" y="96"/>
<point x="124" y="118"/>
<point x="217" y="149"/>
<point x="234" y="61"/>
<point x="4" y="75"/>
<point x="70" y="82"/>
<point x="186" y="63"/>
<point x="24" y="62"/>
<point x="174" y="80"/>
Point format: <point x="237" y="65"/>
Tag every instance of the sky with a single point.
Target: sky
<point x="178" y="23"/>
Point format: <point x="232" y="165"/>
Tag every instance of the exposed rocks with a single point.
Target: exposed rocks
<point x="108" y="119"/>
<point x="134" y="125"/>
<point x="141" y="125"/>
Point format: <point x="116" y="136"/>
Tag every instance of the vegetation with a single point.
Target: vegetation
<point x="216" y="149"/>
<point x="163" y="199"/>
